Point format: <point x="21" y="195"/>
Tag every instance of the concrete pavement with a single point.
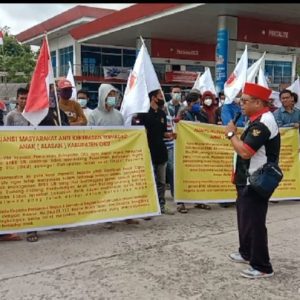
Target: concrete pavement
<point x="170" y="257"/>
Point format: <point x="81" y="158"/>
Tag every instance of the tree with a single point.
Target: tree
<point x="16" y="59"/>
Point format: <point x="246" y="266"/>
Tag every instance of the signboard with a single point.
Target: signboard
<point x="181" y="76"/>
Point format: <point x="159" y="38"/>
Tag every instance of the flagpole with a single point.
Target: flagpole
<point x="52" y="74"/>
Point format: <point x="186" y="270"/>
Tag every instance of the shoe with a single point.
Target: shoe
<point x="253" y="274"/>
<point x="166" y="211"/>
<point x="32" y="237"/>
<point x="182" y="209"/>
<point x="108" y="225"/>
<point x="203" y="206"/>
<point x="132" y="222"/>
<point x="237" y="257"/>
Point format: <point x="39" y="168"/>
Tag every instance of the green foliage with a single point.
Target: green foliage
<point x="16" y="58"/>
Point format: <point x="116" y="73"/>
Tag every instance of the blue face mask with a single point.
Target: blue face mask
<point x="195" y="108"/>
<point x="111" y="101"/>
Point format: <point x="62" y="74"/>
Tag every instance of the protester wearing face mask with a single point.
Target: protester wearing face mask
<point x="192" y="111"/>
<point x="221" y="99"/>
<point x="52" y="118"/>
<point x="83" y="99"/>
<point x="71" y="108"/>
<point x="174" y="105"/>
<point x="209" y="109"/>
<point x="106" y="114"/>
<point x="155" y="123"/>
<point x="229" y="110"/>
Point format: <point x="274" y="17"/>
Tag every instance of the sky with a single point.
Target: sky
<point x="19" y="17"/>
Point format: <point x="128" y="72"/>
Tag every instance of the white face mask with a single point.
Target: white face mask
<point x="176" y="96"/>
<point x="12" y="106"/>
<point x="208" y="102"/>
<point x="111" y="101"/>
<point x="82" y="102"/>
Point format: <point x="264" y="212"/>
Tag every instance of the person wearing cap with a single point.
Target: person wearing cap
<point x="259" y="143"/>
<point x="71" y="108"/>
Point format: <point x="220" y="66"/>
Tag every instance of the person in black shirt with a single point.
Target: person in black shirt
<point x="259" y="143"/>
<point x="155" y="122"/>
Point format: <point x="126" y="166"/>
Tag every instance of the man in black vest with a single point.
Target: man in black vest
<point x="155" y="123"/>
<point x="259" y="143"/>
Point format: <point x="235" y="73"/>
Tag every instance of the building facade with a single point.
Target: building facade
<point x="182" y="39"/>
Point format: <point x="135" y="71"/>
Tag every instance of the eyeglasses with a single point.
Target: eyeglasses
<point x="23" y="98"/>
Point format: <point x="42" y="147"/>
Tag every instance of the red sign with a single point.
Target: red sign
<point x="181" y="76"/>
<point x="182" y="50"/>
<point x="258" y="31"/>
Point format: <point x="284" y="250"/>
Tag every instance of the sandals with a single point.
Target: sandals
<point x="9" y="237"/>
<point x="182" y="209"/>
<point x="203" y="206"/>
<point x="32" y="237"/>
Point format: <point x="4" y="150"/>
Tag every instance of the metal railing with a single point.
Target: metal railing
<point x="80" y="70"/>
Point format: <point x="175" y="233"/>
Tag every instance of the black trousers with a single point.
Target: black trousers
<point x="251" y="218"/>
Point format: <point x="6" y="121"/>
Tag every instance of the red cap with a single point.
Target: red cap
<point x="64" y="83"/>
<point x="257" y="91"/>
<point x="2" y="105"/>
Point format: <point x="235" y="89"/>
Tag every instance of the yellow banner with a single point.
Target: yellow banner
<point x="204" y="160"/>
<point x="53" y="178"/>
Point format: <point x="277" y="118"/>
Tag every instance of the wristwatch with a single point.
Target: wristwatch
<point x="230" y="134"/>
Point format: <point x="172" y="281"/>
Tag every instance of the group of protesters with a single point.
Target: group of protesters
<point x="158" y="121"/>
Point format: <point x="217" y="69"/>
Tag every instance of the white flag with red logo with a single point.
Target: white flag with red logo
<point x="1" y="37"/>
<point x="295" y="88"/>
<point x="237" y="79"/>
<point x="205" y="82"/>
<point x="37" y="104"/>
<point x="141" y="81"/>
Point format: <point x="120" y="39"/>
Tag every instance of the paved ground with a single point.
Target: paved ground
<point x="169" y="257"/>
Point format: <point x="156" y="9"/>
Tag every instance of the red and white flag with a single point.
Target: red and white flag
<point x="1" y="37"/>
<point x="141" y="81"/>
<point x="37" y="104"/>
<point x="237" y="79"/>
